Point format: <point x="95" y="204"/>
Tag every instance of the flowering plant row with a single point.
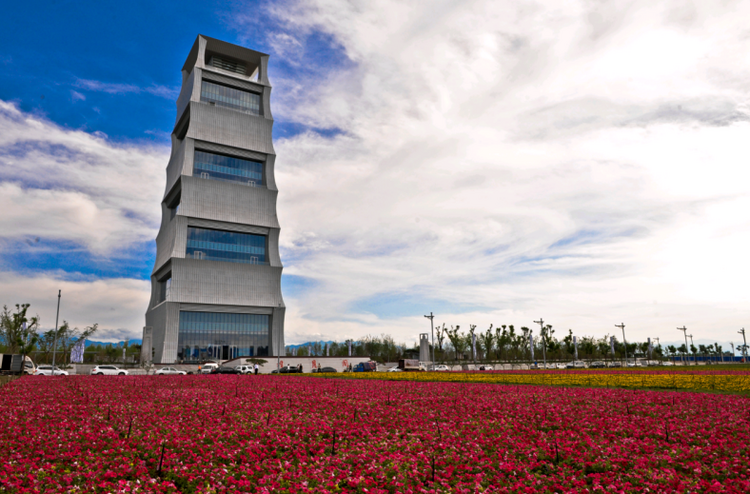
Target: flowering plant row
<point x="735" y="383"/>
<point x="296" y="434"/>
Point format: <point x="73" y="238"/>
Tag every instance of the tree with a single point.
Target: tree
<point x="441" y="337"/>
<point x="456" y="339"/>
<point x="501" y="342"/>
<point x="488" y="339"/>
<point x="17" y="330"/>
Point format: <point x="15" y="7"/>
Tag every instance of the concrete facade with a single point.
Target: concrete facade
<point x="183" y="283"/>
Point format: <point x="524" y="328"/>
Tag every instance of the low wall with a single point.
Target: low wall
<point x="308" y="363"/>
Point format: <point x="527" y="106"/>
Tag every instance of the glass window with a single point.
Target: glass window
<point x="219" y="167"/>
<point x="205" y="335"/>
<point x="230" y="97"/>
<point x="219" y="245"/>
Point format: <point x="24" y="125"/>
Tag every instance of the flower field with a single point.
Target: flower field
<point x="295" y="434"/>
<point x="729" y="381"/>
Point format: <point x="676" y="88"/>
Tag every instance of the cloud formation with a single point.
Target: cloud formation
<point x="74" y="186"/>
<point x="578" y="161"/>
<point x="492" y="162"/>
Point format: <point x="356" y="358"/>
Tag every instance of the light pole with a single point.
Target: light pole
<point x="432" y="329"/>
<point x="695" y="360"/>
<point x="744" y="346"/>
<point x="57" y="318"/>
<point x="624" y="341"/>
<point x="732" y="345"/>
<point x="540" y="322"/>
<point x="684" y="331"/>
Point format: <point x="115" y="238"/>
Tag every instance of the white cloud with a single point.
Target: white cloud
<point x="572" y="160"/>
<point x="74" y="186"/>
<point x="121" y="88"/>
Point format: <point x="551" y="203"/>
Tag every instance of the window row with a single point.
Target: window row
<point x="230" y="97"/>
<point x="226" y="168"/>
<point x="219" y="245"/>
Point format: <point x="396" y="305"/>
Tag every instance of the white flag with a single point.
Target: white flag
<point x="76" y="355"/>
<point x="612" y="344"/>
<point x="531" y="345"/>
<point x="473" y="346"/>
<point x="575" y="345"/>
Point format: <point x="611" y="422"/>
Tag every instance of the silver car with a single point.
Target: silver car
<point x="169" y="371"/>
<point x="108" y="370"/>
<point x="46" y="370"/>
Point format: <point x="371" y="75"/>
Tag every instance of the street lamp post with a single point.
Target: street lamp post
<point x="432" y="330"/>
<point x="624" y="341"/>
<point x="57" y="318"/>
<point x="684" y="331"/>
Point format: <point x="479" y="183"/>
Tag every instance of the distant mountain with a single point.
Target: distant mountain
<point x="311" y="343"/>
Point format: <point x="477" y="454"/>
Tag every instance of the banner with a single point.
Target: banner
<point x="531" y="345"/>
<point x="350" y="348"/>
<point x="650" y="348"/>
<point x="575" y="345"/>
<point x="76" y="354"/>
<point x="612" y="344"/>
<point x="473" y="346"/>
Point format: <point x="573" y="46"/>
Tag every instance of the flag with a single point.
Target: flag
<point x="473" y="346"/>
<point x="76" y="355"/>
<point x="531" y="345"/>
<point x="612" y="344"/>
<point x="575" y="345"/>
<point x="350" y="348"/>
<point x="650" y="348"/>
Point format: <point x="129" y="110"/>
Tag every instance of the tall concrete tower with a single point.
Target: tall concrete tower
<point x="216" y="283"/>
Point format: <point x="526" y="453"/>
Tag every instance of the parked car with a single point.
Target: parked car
<point x="108" y="370"/>
<point x="208" y="368"/>
<point x="46" y="370"/>
<point x="597" y="365"/>
<point x="486" y="368"/>
<point x="614" y="363"/>
<point x="225" y="369"/>
<point x="560" y="365"/>
<point x="169" y="371"/>
<point x="551" y="365"/>
<point x="327" y="369"/>
<point x="394" y="369"/>
<point x="442" y="368"/>
<point x="668" y="363"/>
<point x="246" y="369"/>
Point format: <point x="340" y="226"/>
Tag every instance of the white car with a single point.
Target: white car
<point x="246" y="369"/>
<point x="169" y="371"/>
<point x="442" y="368"/>
<point x="394" y="369"/>
<point x="208" y="368"/>
<point x="108" y="370"/>
<point x="560" y="365"/>
<point x="46" y="370"/>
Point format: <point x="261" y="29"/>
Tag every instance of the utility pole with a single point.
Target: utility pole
<point x="684" y="331"/>
<point x="624" y="341"/>
<point x="744" y="347"/>
<point x="57" y="318"/>
<point x="432" y="329"/>
<point x="540" y="322"/>
<point x="695" y="360"/>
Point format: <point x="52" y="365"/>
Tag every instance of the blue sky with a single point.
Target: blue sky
<point x="492" y="162"/>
